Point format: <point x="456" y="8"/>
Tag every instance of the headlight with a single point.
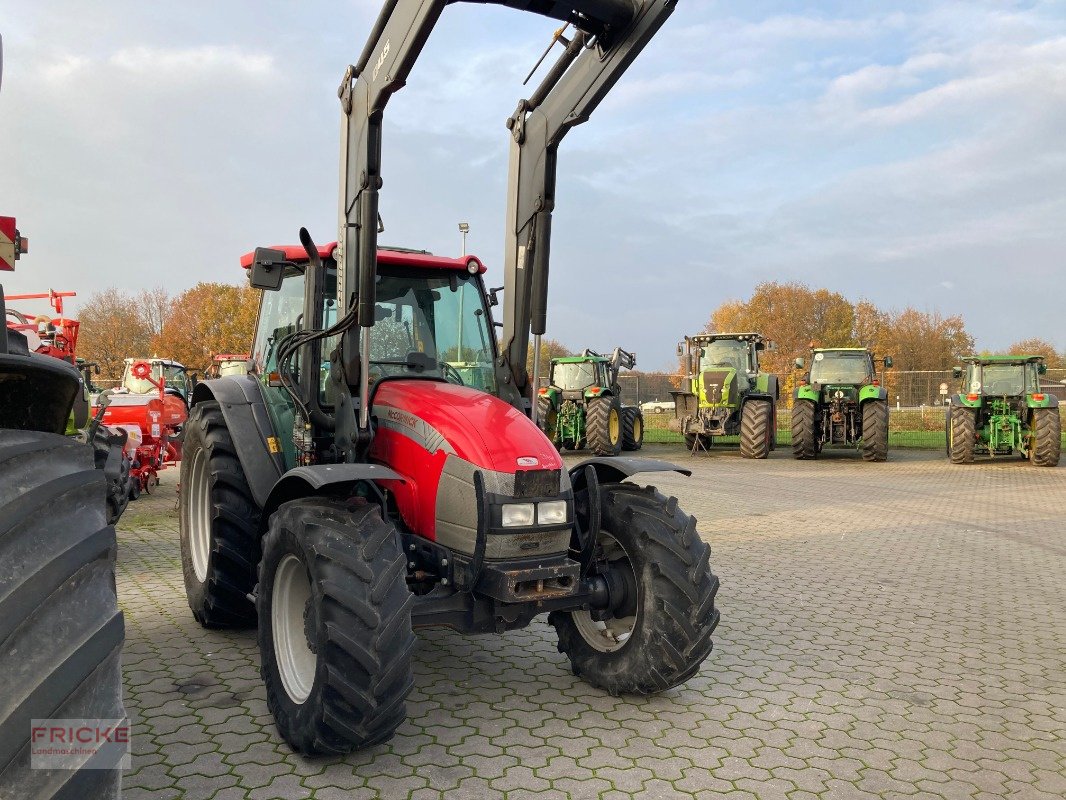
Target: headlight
<point x="551" y="513"/>
<point x="516" y="515"/>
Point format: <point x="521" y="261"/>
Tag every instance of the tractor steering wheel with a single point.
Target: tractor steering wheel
<point x="447" y="369"/>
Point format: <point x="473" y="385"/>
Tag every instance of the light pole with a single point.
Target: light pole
<point x="464" y="228"/>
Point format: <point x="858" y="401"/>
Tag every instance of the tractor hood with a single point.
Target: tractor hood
<point x="475" y="426"/>
<point x="440" y="436"/>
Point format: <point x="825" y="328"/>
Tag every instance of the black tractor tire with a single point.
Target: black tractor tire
<point x="674" y="612"/>
<point x="109" y="457"/>
<point x="61" y="631"/>
<point x="632" y="428"/>
<point x="219" y="523"/>
<point x="603" y="426"/>
<point x="962" y="437"/>
<point x="356" y="625"/>
<point x="756" y="428"/>
<point x="1047" y="433"/>
<point x="875" y="430"/>
<point x="804" y="436"/>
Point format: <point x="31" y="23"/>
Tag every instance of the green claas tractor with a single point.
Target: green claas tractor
<point x="582" y="406"/>
<point x="840" y="402"/>
<point x="1002" y="410"/>
<point x="726" y="394"/>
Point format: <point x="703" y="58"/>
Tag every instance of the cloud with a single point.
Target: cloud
<point x="192" y="62"/>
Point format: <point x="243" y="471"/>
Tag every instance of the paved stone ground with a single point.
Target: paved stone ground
<point x="888" y="630"/>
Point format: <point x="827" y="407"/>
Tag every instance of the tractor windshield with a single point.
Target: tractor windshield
<point x="574" y="377"/>
<point x="841" y="367"/>
<point x="1002" y="379"/>
<point x="435" y="314"/>
<point x="725" y="354"/>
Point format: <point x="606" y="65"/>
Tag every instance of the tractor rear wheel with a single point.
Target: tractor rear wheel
<point x="61" y="630"/>
<point x="603" y="426"/>
<point x="661" y="636"/>
<point x="548" y="418"/>
<point x="962" y="435"/>
<point x="756" y="428"/>
<point x="1047" y="434"/>
<point x="804" y="441"/>
<point x="112" y="461"/>
<point x="875" y="430"/>
<point x="219" y="524"/>
<point x="632" y="428"/>
<point x="335" y="634"/>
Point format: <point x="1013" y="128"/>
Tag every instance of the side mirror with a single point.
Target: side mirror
<point x="1041" y="369"/>
<point x="493" y="299"/>
<point x="268" y="268"/>
<point x="956" y="372"/>
<point x="680" y="349"/>
<point x="799" y="363"/>
<point x="96" y="369"/>
<point x="888" y="362"/>
<point x="700" y="352"/>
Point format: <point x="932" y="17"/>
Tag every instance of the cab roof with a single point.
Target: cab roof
<point x="839" y="350"/>
<point x="1015" y="359"/>
<point x="398" y="257"/>
<point x="710" y="337"/>
<point x="579" y="359"/>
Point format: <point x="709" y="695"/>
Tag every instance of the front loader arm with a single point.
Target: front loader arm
<point x="609" y="35"/>
<point x="569" y="93"/>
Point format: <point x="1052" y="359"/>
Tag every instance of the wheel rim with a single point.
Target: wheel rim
<point x="296" y="662"/>
<point x="614" y="426"/>
<point x="638" y="429"/>
<point x="613" y="634"/>
<point x="200" y="515"/>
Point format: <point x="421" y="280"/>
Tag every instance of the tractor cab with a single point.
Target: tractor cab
<point x="431" y="322"/>
<point x="575" y="375"/>
<point x="846" y="366"/>
<point x="1003" y="376"/>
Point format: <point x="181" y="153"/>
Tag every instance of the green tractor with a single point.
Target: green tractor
<point x="1003" y="410"/>
<point x="581" y="406"/>
<point x="727" y="395"/>
<point x="840" y="402"/>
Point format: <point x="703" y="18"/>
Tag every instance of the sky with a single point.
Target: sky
<point x="912" y="153"/>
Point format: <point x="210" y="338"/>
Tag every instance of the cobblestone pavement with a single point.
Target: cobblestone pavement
<point x="888" y="630"/>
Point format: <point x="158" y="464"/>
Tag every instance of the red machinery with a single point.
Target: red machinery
<point x="53" y="336"/>
<point x="153" y="422"/>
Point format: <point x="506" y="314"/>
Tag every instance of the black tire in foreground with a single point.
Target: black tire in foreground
<point x="660" y="639"/>
<point x="756" y="428"/>
<point x="804" y="437"/>
<point x="962" y="435"/>
<point x="335" y="632"/>
<point x="61" y="631"/>
<point x="603" y="426"/>
<point x="632" y="428"/>
<point x="1047" y="430"/>
<point x="219" y="524"/>
<point x="875" y="430"/>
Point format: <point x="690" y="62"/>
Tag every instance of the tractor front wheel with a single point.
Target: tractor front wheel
<point x="756" y="428"/>
<point x="1047" y="437"/>
<point x="335" y="634"/>
<point x="219" y="522"/>
<point x="875" y="430"/>
<point x="603" y="426"/>
<point x="658" y="637"/>
<point x="632" y="428"/>
<point x="804" y="439"/>
<point x="962" y="436"/>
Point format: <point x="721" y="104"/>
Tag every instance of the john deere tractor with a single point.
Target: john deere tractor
<point x="726" y="394"/>
<point x="582" y="407"/>
<point x="840" y="402"/>
<point x="1002" y="410"/>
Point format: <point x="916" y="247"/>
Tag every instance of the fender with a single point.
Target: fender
<point x="321" y="479"/>
<point x="872" y="393"/>
<point x="767" y="385"/>
<point x="241" y="400"/>
<point x="806" y="392"/>
<point x="617" y="469"/>
<point x="1049" y="401"/>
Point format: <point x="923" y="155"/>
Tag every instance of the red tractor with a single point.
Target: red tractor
<point x="382" y="470"/>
